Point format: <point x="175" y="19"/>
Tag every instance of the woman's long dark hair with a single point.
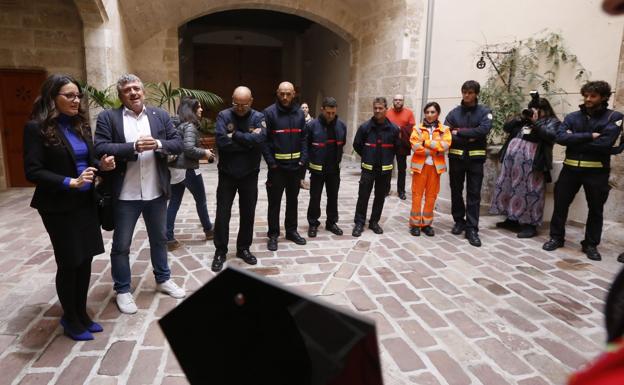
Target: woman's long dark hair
<point x="45" y="113"/>
<point x="544" y="105"/>
<point x="187" y="110"/>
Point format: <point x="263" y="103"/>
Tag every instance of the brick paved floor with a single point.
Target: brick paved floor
<point x="446" y="312"/>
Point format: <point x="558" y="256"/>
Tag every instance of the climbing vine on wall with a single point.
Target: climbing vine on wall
<point x="517" y="68"/>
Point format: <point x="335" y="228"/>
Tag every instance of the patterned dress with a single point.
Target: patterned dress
<point x="520" y="190"/>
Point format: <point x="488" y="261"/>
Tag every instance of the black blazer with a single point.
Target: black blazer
<point x="48" y="166"/>
<point x="110" y="139"/>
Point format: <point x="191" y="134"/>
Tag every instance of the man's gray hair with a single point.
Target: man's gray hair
<point x="127" y="78"/>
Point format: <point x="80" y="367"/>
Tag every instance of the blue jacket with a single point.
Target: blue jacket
<point x="377" y="143"/>
<point x="318" y="142"/>
<point x="239" y="155"/>
<point x="473" y="125"/>
<point x="583" y="152"/>
<point x="286" y="137"/>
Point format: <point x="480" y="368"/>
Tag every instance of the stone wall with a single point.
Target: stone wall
<point x="44" y="34"/>
<point x="156" y="60"/>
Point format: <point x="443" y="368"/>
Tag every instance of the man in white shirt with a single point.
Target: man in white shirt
<point x="140" y="138"/>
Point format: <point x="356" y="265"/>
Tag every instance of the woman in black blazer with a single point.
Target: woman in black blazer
<point x="59" y="159"/>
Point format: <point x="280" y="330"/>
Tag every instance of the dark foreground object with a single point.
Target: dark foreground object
<point x="241" y="328"/>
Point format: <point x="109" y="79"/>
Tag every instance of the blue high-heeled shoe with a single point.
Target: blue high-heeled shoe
<point x="84" y="336"/>
<point x="95" y="327"/>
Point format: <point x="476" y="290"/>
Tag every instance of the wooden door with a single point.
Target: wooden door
<point x="18" y="90"/>
<point x="219" y="68"/>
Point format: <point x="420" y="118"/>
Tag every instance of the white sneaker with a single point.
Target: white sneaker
<point x="126" y="304"/>
<point x="170" y="287"/>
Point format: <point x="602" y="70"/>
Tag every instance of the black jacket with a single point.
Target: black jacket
<point x="377" y="143"/>
<point x="543" y="132"/>
<point x="110" y="139"/>
<point x="285" y="137"/>
<point x="240" y="155"/>
<point x="583" y="152"/>
<point x="473" y="125"/>
<point x="47" y="166"/>
<point x="318" y="142"/>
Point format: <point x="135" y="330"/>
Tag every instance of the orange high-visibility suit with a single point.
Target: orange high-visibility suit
<point x="429" y="143"/>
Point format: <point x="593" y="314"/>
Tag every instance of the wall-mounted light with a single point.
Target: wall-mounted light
<point x="481" y="63"/>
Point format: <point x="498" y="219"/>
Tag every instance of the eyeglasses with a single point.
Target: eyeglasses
<point x="240" y="105"/>
<point x="71" y="96"/>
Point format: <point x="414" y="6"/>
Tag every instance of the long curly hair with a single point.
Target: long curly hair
<point x="45" y="113"/>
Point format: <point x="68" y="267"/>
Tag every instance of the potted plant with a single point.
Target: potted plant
<point x="207" y="128"/>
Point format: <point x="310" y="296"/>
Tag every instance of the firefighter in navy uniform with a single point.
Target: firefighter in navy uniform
<point x="470" y="124"/>
<point x="240" y="135"/>
<point x="326" y="139"/>
<point x="376" y="141"/>
<point x="285" y="152"/>
<point x="589" y="135"/>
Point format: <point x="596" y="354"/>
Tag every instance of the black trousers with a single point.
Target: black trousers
<point x="247" y="188"/>
<point x="367" y="181"/>
<point x="472" y="172"/>
<point x="279" y="180"/>
<point x="332" y="184"/>
<point x="596" y="186"/>
<point x="72" y="285"/>
<point x="401" y="161"/>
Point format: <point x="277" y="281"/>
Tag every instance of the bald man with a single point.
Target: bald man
<point x="403" y="118"/>
<point x="285" y="152"/>
<point x="241" y="133"/>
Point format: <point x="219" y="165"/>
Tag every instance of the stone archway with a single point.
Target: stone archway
<point x="141" y="36"/>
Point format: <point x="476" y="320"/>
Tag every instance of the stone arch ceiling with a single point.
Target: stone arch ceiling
<point x="92" y="12"/>
<point x="144" y="18"/>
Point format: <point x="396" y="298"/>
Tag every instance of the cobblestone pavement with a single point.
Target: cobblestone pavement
<point x="446" y="312"/>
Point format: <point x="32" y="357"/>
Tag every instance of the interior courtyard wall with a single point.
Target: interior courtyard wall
<point x="325" y="69"/>
<point x="107" y="48"/>
<point x="36" y="35"/>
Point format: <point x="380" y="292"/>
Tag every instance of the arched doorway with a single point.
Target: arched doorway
<point x="260" y="48"/>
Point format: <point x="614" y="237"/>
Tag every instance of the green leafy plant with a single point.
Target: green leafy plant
<point x="207" y="126"/>
<point x="530" y="64"/>
<point x="106" y="98"/>
<point x="160" y="94"/>
<point x="164" y="94"/>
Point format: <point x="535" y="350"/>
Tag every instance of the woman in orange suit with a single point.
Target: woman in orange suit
<point x="429" y="143"/>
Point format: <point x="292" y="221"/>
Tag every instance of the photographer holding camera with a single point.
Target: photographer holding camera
<point x="526" y="160"/>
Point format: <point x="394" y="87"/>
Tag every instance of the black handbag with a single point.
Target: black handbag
<point x="104" y="199"/>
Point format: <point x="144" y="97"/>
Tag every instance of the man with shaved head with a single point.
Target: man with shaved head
<point x="285" y="152"/>
<point x="241" y="133"/>
<point x="403" y="118"/>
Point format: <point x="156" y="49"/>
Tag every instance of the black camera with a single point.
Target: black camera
<point x="527" y="113"/>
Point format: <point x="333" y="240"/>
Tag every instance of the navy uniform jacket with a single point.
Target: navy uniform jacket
<point x="239" y="155"/>
<point x="583" y="153"/>
<point x="110" y="139"/>
<point x="318" y="142"/>
<point x="377" y="143"/>
<point x="286" y="137"/>
<point x="473" y="125"/>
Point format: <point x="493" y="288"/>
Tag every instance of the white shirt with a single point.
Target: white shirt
<point x="141" y="181"/>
